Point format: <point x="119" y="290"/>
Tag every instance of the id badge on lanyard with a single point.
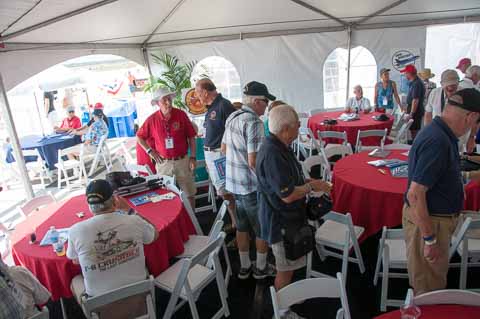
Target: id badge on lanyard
<point x="385" y="101"/>
<point x="169" y="140"/>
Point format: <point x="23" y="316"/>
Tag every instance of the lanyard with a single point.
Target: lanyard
<point x="442" y="101"/>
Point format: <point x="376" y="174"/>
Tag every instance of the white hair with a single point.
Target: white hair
<point x="250" y="99"/>
<point x="472" y="70"/>
<point x="281" y="117"/>
<point x="98" y="208"/>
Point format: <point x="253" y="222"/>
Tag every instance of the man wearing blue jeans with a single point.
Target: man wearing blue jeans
<point x="244" y="133"/>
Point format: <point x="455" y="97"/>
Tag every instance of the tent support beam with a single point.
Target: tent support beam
<point x="56" y="19"/>
<point x="374" y="14"/>
<point x="167" y="17"/>
<point x="349" y="51"/>
<point x="317" y="10"/>
<point x="17" y="150"/>
<point x="147" y="61"/>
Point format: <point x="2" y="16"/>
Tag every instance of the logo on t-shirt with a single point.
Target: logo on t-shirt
<point x="175" y="126"/>
<point x="213" y="116"/>
<point x="108" y="251"/>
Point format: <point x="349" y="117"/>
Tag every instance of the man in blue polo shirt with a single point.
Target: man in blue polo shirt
<point x="434" y="196"/>
<point x="219" y="109"/>
<point x="415" y="97"/>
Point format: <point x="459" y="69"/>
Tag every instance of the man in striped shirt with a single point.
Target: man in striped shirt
<point x="244" y="133"/>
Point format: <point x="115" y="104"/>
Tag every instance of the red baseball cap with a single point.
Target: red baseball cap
<point x="409" y="69"/>
<point x="464" y="61"/>
<point x="98" y="105"/>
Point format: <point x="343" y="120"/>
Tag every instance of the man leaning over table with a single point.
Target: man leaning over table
<point x="172" y="134"/>
<point x="435" y="195"/>
<point x="109" y="246"/>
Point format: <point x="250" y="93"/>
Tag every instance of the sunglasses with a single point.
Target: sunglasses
<point x="71" y="111"/>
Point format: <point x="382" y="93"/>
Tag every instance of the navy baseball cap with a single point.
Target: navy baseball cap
<point x="255" y="88"/>
<point x="467" y="99"/>
<point x="98" y="191"/>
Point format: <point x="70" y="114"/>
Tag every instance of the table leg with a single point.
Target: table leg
<point x="64" y="311"/>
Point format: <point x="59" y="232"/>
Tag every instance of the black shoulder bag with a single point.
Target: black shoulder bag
<point x="297" y="235"/>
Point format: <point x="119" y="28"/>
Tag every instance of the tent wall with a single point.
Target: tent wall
<point x="18" y="66"/>
<point x="292" y="66"/>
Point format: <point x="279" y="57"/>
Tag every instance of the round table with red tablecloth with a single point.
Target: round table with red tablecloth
<point x="366" y="122"/>
<point x="372" y="198"/>
<point x="55" y="273"/>
<point x="440" y="312"/>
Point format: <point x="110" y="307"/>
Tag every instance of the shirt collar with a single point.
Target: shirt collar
<point x="276" y="141"/>
<point x="216" y="100"/>
<point x="249" y="109"/>
<point x="445" y="128"/>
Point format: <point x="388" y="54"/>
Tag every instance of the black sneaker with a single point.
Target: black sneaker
<point x="244" y="273"/>
<point x="269" y="271"/>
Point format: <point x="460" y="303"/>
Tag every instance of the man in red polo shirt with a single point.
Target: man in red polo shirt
<point x="172" y="133"/>
<point x="69" y="123"/>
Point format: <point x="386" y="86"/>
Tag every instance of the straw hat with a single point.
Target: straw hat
<point x="426" y="74"/>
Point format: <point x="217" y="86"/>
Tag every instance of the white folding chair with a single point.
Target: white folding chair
<point x="338" y="232"/>
<point x="303" y="140"/>
<point x="308" y="289"/>
<point x="35" y="203"/>
<point x="398" y="118"/>
<point x="37" y="167"/>
<point x="401" y="136"/>
<point x="93" y="305"/>
<point x="43" y="314"/>
<point x="127" y="148"/>
<point x="444" y="297"/>
<point x="102" y="152"/>
<point x="77" y="167"/>
<point x="467" y="240"/>
<point x="341" y="136"/>
<point x="392" y="255"/>
<point x="195" y="243"/>
<point x="186" y="279"/>
<point x="315" y="160"/>
<point x="315" y="111"/>
<point x="210" y="194"/>
<point x="139" y="170"/>
<point x="5" y="245"/>
<point x="188" y="207"/>
<point x="382" y="134"/>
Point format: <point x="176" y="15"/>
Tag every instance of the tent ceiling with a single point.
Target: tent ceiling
<point x="131" y="22"/>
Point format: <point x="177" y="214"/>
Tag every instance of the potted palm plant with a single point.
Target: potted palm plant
<point x="175" y="77"/>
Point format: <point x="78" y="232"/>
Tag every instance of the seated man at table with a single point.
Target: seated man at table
<point x="108" y="246"/>
<point x="33" y="292"/>
<point x="82" y="130"/>
<point x="358" y="103"/>
<point x="69" y="123"/>
<point x="95" y="133"/>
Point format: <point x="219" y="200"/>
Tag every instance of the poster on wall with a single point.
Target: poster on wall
<point x="400" y="59"/>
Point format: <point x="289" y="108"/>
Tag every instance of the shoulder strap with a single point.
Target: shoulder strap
<point x="442" y="101"/>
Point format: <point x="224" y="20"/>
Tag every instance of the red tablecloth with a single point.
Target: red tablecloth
<point x="55" y="273"/>
<point x="143" y="158"/>
<point x="373" y="199"/>
<point x="440" y="312"/>
<point x="366" y="122"/>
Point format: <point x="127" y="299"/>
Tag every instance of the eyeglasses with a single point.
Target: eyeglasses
<point x="264" y="100"/>
<point x="71" y="111"/>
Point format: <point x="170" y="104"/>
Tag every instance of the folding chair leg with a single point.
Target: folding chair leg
<point x="64" y="312"/>
<point x="193" y="306"/>
<point x="309" y="265"/>
<point x="171" y="306"/>
<point x="464" y="266"/>
<point x="228" y="272"/>
<point x="358" y="254"/>
<point x="345" y="257"/>
<point x="320" y="251"/>
<point x="386" y="271"/>
<point x="222" y="288"/>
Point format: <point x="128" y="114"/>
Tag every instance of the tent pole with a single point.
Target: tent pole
<point x="147" y="61"/>
<point x="349" y="51"/>
<point x="39" y="115"/>
<point x="17" y="150"/>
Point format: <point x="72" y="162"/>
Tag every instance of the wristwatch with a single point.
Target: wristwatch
<point x="430" y="240"/>
<point x="149" y="151"/>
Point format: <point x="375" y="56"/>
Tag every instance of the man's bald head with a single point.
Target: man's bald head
<point x="206" y="84"/>
<point x="205" y="91"/>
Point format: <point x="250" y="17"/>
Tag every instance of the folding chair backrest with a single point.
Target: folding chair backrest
<point x="136" y="169"/>
<point x="36" y="203"/>
<point x="402" y="131"/>
<point x="312" y="161"/>
<point x="303" y="118"/>
<point x="345" y="219"/>
<point x="43" y="314"/>
<point x="447" y="296"/>
<point x="190" y="212"/>
<point x="315" y="111"/>
<point x="169" y="181"/>
<point x="309" y="289"/>
<point x="332" y="134"/>
<point x="371" y="133"/>
<point x="221" y="213"/>
<point x="461" y="233"/>
<point x="397" y="147"/>
<point x="147" y="287"/>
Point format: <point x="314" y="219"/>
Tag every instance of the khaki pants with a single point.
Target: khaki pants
<point x="183" y="175"/>
<point x="424" y="276"/>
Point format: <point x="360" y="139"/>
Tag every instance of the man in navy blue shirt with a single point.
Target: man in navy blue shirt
<point x="218" y="110"/>
<point x="434" y="197"/>
<point x="415" y="97"/>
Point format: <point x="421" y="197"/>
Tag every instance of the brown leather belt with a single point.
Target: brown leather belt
<point x="211" y="149"/>
<point x="446" y="216"/>
<point x="173" y="158"/>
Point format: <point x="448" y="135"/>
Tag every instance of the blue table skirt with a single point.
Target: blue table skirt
<point x="48" y="146"/>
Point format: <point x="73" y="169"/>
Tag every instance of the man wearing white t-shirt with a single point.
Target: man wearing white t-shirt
<point x="471" y="79"/>
<point x="438" y="96"/>
<point x="108" y="246"/>
<point x="358" y="103"/>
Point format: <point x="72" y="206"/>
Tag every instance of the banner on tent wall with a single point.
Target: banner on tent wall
<point x="400" y="59"/>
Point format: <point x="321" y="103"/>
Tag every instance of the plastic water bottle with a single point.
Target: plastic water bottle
<point x="410" y="311"/>
<point x="53" y="237"/>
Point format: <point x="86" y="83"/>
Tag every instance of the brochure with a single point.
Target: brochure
<point x="220" y="164"/>
<point x="144" y="198"/>
<point x="62" y="236"/>
<point x="400" y="171"/>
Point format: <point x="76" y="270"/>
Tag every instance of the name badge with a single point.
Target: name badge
<point x="169" y="143"/>
<point x="385" y="101"/>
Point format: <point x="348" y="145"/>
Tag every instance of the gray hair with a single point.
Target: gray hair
<point x="472" y="70"/>
<point x="280" y="117"/>
<point x="99" y="208"/>
<point x="358" y="87"/>
<point x="250" y="99"/>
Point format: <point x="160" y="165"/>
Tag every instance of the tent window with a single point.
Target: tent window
<point x="363" y="71"/>
<point x="223" y="73"/>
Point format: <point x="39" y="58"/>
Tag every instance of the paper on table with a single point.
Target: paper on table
<point x="62" y="236"/>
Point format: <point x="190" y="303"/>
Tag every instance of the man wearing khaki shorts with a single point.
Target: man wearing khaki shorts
<point x="172" y="134"/>
<point x="435" y="191"/>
